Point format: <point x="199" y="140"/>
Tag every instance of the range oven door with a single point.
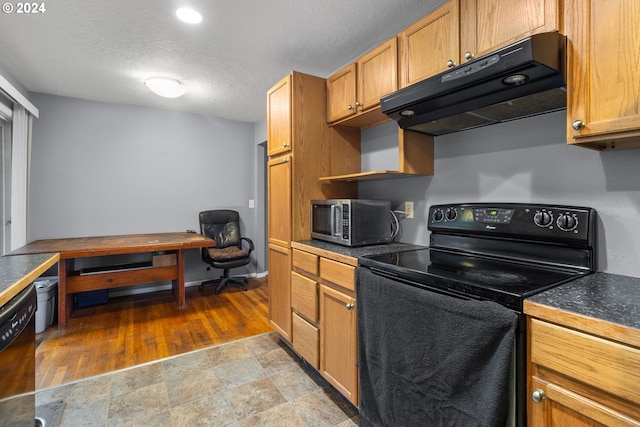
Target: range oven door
<point x="433" y="357"/>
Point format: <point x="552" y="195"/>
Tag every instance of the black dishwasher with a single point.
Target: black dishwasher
<point x="17" y="359"/>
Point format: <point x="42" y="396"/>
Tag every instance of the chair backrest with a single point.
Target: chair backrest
<point x="222" y="225"/>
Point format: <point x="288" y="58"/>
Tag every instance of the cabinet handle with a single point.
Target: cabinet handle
<point x="450" y="63"/>
<point x="284" y="160"/>
<point x="578" y="125"/>
<point x="285" y="145"/>
<point x="349" y="306"/>
<point x="468" y="55"/>
<point x="538" y="395"/>
<point x="358" y="104"/>
<point x="349" y="107"/>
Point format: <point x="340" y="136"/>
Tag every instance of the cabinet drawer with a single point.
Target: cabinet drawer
<point x="304" y="296"/>
<point x="306" y="262"/>
<point x="607" y="365"/>
<point x="338" y="273"/>
<point x="306" y="338"/>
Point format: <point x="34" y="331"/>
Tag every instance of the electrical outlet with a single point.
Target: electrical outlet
<point x="252" y="204"/>
<point x="408" y="209"/>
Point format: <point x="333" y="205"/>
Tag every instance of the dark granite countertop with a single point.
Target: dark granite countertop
<point x="18" y="271"/>
<point x="358" y="251"/>
<point x="602" y="303"/>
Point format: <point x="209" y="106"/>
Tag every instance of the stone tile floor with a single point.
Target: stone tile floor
<point x="256" y="381"/>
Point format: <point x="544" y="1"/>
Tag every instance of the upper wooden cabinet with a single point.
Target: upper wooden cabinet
<point x="486" y="25"/>
<point x="341" y="94"/>
<point x="356" y="89"/>
<point x="429" y="46"/>
<point x="461" y="30"/>
<point x="279" y="133"/>
<point x="603" y="81"/>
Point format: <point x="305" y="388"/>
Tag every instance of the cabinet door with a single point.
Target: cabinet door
<point x="429" y="46"/>
<point x="279" y="195"/>
<point x="556" y="406"/>
<point x="377" y="74"/>
<point x="488" y="24"/>
<point x="280" y="290"/>
<point x="603" y="79"/>
<point x="338" y="345"/>
<point x="341" y="94"/>
<point x="279" y="132"/>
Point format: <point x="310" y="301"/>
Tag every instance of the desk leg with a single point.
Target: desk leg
<point x="178" y="283"/>
<point x="65" y="301"/>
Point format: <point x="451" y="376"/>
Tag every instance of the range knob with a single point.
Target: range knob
<point x="438" y="215"/>
<point x="567" y="222"/>
<point x="542" y="219"/>
<point x="451" y="214"/>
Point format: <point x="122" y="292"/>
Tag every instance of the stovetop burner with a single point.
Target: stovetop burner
<point x="500" y="252"/>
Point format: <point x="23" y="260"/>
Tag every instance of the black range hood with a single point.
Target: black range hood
<point x="519" y="80"/>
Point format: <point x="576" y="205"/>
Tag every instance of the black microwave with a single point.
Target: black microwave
<point x="351" y="222"/>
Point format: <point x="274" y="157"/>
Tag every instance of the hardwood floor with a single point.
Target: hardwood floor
<point x="132" y="330"/>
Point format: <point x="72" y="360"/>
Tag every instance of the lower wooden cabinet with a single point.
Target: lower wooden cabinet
<point x="306" y="339"/>
<point x="280" y="290"/>
<point x="324" y="318"/>
<point x="579" y="379"/>
<point x="338" y="341"/>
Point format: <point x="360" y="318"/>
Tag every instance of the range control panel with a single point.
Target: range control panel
<point x="539" y="222"/>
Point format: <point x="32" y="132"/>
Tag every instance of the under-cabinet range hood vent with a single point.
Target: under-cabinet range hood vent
<point x="519" y="80"/>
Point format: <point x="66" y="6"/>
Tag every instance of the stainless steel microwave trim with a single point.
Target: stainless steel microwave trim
<point x="519" y="80"/>
<point x="351" y="222"/>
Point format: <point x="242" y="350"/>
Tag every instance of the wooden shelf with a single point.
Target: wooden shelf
<point x="415" y="158"/>
<point x="370" y="176"/>
<point x="368" y="119"/>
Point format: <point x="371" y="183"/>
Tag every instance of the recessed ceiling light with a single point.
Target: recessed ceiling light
<point x="188" y="15"/>
<point x="163" y="86"/>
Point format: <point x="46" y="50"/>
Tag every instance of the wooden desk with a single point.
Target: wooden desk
<point x="70" y="281"/>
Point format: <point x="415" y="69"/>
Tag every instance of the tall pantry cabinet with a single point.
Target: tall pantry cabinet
<point x="301" y="149"/>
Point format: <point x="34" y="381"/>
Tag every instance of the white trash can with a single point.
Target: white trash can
<point x="46" y="290"/>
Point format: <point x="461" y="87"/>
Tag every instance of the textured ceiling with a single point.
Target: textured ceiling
<point x="104" y="50"/>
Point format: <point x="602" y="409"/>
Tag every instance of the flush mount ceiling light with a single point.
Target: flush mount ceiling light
<point x="188" y="15"/>
<point x="163" y="86"/>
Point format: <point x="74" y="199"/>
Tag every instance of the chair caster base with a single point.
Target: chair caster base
<point x="224" y="281"/>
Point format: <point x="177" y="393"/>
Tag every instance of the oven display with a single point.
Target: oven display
<point x="493" y="216"/>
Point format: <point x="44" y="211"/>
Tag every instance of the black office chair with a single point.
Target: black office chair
<point x="231" y="250"/>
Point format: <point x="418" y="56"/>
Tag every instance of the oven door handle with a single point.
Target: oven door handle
<point x="449" y="292"/>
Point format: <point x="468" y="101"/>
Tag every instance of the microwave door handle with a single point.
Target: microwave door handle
<point x="335" y="211"/>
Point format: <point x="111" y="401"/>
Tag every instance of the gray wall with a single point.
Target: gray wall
<point x="104" y="169"/>
<point x="526" y="161"/>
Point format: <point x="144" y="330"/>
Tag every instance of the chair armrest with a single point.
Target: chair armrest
<point x="249" y="242"/>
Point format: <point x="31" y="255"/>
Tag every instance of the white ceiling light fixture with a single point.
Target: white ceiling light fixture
<point x="189" y="15"/>
<point x="163" y="86"/>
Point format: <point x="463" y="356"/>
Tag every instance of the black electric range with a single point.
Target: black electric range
<point x="504" y="252"/>
<point x="498" y="252"/>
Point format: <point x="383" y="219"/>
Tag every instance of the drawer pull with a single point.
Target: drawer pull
<point x="538" y="395"/>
